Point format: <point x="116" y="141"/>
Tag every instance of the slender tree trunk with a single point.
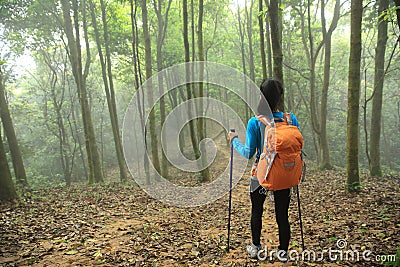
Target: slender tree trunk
<point x="311" y="55"/>
<point x="152" y="116"/>
<point x="138" y="80"/>
<point x="64" y="147"/>
<point x="62" y="135"/>
<point x="192" y="31"/>
<point x="319" y="112"/>
<point x="174" y="101"/>
<point x="327" y="39"/>
<point x="106" y="67"/>
<point x="80" y="75"/>
<point x="16" y="156"/>
<point x="101" y="136"/>
<point x="79" y="139"/>
<point x="7" y="189"/>
<point x="192" y="131"/>
<point x="114" y="114"/>
<point x="249" y="16"/>
<point x="268" y="39"/>
<point x="162" y="29"/>
<point x="242" y="51"/>
<point x="97" y="167"/>
<point x="387" y="147"/>
<point x="375" y="164"/>
<point x="311" y="64"/>
<point x="262" y="42"/>
<point x="353" y="178"/>
<point x="289" y="78"/>
<point x="205" y="173"/>
<point x="275" y="17"/>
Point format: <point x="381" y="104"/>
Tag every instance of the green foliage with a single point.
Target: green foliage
<point x="396" y="262"/>
<point x="355" y="187"/>
<point x="35" y="27"/>
<point x="389" y="14"/>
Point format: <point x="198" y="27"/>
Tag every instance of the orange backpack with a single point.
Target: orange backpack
<point x="280" y="165"/>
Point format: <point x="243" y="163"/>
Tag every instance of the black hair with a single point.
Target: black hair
<point x="272" y="91"/>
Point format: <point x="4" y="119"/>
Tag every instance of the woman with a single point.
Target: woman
<point x="272" y="90"/>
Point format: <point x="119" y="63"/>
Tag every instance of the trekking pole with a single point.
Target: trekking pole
<point x="301" y="223"/>
<point x="230" y="194"/>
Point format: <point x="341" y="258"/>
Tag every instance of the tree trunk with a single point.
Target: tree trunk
<point x="62" y="135"/>
<point x="109" y="85"/>
<point x="275" y="17"/>
<point x="192" y="131"/>
<point x="162" y="29"/>
<point x="311" y="54"/>
<point x="114" y="114"/>
<point x="205" y="173"/>
<point x="7" y="189"/>
<point x="375" y="164"/>
<point x="97" y="166"/>
<point x="289" y="77"/>
<point x="64" y="147"/>
<point x="249" y="16"/>
<point x="242" y="51"/>
<point x="327" y="39"/>
<point x="311" y="64"/>
<point x="16" y="156"/>
<point x="353" y="178"/>
<point x="262" y="45"/>
<point x="152" y="116"/>
<point x="138" y="81"/>
<point x="80" y="75"/>
<point x="268" y="39"/>
<point x="78" y="137"/>
<point x="319" y="112"/>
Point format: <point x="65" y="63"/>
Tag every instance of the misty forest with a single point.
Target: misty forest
<point x="87" y="166"/>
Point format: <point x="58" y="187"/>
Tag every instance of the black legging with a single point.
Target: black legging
<point x="281" y="199"/>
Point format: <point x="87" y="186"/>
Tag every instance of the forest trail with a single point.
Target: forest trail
<point x="119" y="225"/>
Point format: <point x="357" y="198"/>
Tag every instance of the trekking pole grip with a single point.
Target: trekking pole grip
<point x="232" y="130"/>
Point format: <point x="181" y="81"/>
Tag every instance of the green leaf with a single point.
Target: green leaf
<point x="98" y="254"/>
<point x="71" y="252"/>
<point x="332" y="239"/>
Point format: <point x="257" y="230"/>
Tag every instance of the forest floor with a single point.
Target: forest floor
<point x="119" y="225"/>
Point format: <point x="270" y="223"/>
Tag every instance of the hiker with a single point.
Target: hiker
<point x="272" y="90"/>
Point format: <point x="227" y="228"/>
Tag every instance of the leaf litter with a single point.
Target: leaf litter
<point x="119" y="225"/>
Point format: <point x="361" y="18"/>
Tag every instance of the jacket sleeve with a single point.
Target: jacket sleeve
<point x="248" y="149"/>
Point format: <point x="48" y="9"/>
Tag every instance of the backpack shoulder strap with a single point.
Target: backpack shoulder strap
<point x="264" y="120"/>
<point x="288" y="118"/>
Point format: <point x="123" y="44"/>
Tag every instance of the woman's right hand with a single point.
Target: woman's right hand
<point x="232" y="135"/>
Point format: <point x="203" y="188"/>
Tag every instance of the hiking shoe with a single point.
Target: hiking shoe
<point x="253" y="250"/>
<point x="282" y="255"/>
